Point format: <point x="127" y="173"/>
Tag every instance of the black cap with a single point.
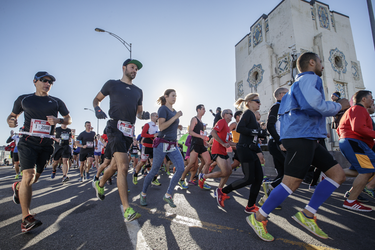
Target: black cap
<point x="218" y="109"/>
<point x="136" y="62"/>
<point x="41" y="74"/>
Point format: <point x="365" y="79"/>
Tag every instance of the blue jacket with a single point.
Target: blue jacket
<point x="303" y="110"/>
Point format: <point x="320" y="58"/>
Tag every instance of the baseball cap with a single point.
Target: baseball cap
<point x="218" y="109"/>
<point x="136" y="62"/>
<point x="41" y="74"/>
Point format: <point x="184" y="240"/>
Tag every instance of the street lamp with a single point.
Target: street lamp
<point x="96" y="118"/>
<point x="128" y="46"/>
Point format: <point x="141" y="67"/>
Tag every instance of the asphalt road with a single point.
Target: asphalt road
<point x="73" y="218"/>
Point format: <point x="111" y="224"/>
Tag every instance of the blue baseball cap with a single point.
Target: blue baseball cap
<point x="41" y="74"/>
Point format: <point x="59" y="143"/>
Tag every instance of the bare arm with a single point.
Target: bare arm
<point x="165" y="124"/>
<point x="139" y="111"/>
<point x="98" y="99"/>
<point x="217" y="138"/>
<point x="54" y="120"/>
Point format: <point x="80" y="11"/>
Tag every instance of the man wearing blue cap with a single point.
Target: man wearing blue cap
<point x="35" y="146"/>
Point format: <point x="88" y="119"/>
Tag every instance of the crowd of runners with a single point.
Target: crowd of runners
<point x="296" y="126"/>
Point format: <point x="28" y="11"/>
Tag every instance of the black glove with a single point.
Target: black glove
<point x="99" y="113"/>
<point x="145" y="115"/>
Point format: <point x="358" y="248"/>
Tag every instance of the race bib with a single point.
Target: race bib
<point x="126" y="128"/>
<point x="135" y="151"/>
<point x="227" y="138"/>
<point x="203" y="133"/>
<point x="40" y="127"/>
<point x="171" y="149"/>
<point x="65" y="136"/>
<point x="90" y="144"/>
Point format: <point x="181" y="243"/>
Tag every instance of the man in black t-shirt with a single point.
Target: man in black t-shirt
<point x="35" y="146"/>
<point x="85" y="141"/>
<point x="125" y="105"/>
<point x="62" y="151"/>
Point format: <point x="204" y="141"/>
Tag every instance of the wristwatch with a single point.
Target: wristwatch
<point x="61" y="120"/>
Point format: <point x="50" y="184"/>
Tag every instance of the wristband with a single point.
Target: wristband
<point x="61" y="120"/>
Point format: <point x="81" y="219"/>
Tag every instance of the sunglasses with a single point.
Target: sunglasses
<point x="256" y="100"/>
<point x="46" y="80"/>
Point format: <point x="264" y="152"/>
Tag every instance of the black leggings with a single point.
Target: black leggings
<point x="278" y="161"/>
<point x="253" y="172"/>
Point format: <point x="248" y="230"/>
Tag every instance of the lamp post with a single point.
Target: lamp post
<point x="96" y="119"/>
<point x="128" y="46"/>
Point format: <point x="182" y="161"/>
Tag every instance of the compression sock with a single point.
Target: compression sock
<point x="277" y="196"/>
<point x="324" y="190"/>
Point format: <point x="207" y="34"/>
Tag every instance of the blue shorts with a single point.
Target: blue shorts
<point x="359" y="154"/>
<point x="98" y="153"/>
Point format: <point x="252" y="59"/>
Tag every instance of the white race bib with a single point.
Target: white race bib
<point x="126" y="128"/>
<point x="203" y="133"/>
<point x="90" y="144"/>
<point x="65" y="136"/>
<point x="227" y="138"/>
<point x="171" y="149"/>
<point x="40" y="127"/>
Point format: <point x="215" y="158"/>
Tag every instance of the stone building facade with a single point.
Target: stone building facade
<point x="266" y="57"/>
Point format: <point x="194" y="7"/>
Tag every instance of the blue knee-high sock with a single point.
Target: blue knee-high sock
<point x="277" y="196"/>
<point x="324" y="190"/>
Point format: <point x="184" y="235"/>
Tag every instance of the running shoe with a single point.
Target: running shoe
<point x="142" y="200"/>
<point x="211" y="168"/>
<point x="309" y="224"/>
<point x="135" y="180"/>
<point x="80" y="179"/>
<point x="201" y="180"/>
<point x="95" y="179"/>
<point x="220" y="197"/>
<point x="259" y="227"/>
<point x="21" y="174"/>
<point x="174" y="169"/>
<point x="206" y="186"/>
<point x="168" y="172"/>
<point x="263" y="199"/>
<point x="182" y="184"/>
<point x="99" y="191"/>
<point x="359" y="198"/>
<point x="17" y="176"/>
<point x="87" y="176"/>
<point x="130" y="215"/>
<point x="30" y="223"/>
<point x="369" y="192"/>
<point x="356" y="206"/>
<point x="53" y="175"/>
<point x="192" y="183"/>
<point x="250" y="210"/>
<point x="15" y="193"/>
<point x="65" y="179"/>
<point x="156" y="183"/>
<point x="169" y="200"/>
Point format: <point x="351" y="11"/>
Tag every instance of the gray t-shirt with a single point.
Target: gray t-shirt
<point x="169" y="133"/>
<point x="124" y="100"/>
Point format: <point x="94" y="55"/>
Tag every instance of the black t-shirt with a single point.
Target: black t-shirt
<point x="245" y="126"/>
<point x="64" y="135"/>
<point x="170" y="133"/>
<point x="39" y="107"/>
<point x="272" y="121"/>
<point x="124" y="100"/>
<point x="197" y="129"/>
<point x="87" y="138"/>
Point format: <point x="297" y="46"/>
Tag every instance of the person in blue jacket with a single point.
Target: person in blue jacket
<point x="303" y="111"/>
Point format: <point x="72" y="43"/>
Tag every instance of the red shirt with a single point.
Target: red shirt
<point x="356" y="123"/>
<point x="223" y="132"/>
<point x="105" y="138"/>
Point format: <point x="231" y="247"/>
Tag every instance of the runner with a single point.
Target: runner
<point x="247" y="147"/>
<point x="235" y="139"/>
<point x="198" y="138"/>
<point x="35" y="147"/>
<point x="15" y="158"/>
<point x="303" y="113"/>
<point x="62" y="150"/>
<point x="166" y="144"/>
<point x="99" y="145"/>
<point x="125" y="105"/>
<point x="85" y="141"/>
<point x="134" y="149"/>
<point x="221" y="134"/>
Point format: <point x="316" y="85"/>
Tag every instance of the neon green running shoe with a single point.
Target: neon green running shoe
<point x="260" y="228"/>
<point x="17" y="176"/>
<point x="135" y="180"/>
<point x="99" y="191"/>
<point x="156" y="183"/>
<point x="182" y="184"/>
<point x="309" y="224"/>
<point x="206" y="186"/>
<point x="130" y="215"/>
<point x="169" y="200"/>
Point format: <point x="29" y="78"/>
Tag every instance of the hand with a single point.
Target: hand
<point x="226" y="145"/>
<point x="12" y="122"/>
<point x="282" y="147"/>
<point x="11" y="133"/>
<point x="99" y="113"/>
<point x="84" y="146"/>
<point x="156" y="135"/>
<point x="52" y="120"/>
<point x="205" y="138"/>
<point x="179" y="113"/>
<point x="344" y="103"/>
<point x="145" y="115"/>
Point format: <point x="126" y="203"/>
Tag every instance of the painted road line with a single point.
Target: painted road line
<point x="135" y="233"/>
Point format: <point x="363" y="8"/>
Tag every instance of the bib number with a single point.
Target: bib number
<point x="65" y="136"/>
<point x="171" y="149"/>
<point x="90" y="144"/>
<point x="126" y="128"/>
<point x="40" y="127"/>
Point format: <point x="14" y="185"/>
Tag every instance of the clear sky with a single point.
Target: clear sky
<point x="185" y="45"/>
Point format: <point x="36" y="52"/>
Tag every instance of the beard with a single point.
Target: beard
<point x="130" y="75"/>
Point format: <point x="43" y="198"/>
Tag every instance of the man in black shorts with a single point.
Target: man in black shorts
<point x="62" y="150"/>
<point x="36" y="146"/>
<point x="303" y="113"/>
<point x="198" y="139"/>
<point x="85" y="141"/>
<point x="125" y="105"/>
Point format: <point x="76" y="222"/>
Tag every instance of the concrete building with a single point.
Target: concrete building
<point x="266" y="57"/>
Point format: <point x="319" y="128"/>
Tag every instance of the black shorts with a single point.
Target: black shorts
<point x="235" y="156"/>
<point x="117" y="142"/>
<point x="31" y="154"/>
<point x="147" y="153"/>
<point x="75" y="153"/>
<point x="302" y="153"/>
<point x="214" y="157"/>
<point x="200" y="149"/>
<point x="62" y="152"/>
<point x="15" y="157"/>
<point x="83" y="155"/>
<point x="107" y="153"/>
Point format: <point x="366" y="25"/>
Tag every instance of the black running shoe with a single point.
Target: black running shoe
<point x="30" y="223"/>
